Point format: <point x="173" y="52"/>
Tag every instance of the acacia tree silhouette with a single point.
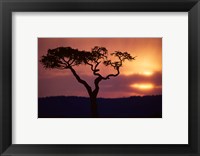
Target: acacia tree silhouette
<point x="66" y="58"/>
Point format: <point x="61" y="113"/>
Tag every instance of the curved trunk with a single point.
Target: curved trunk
<point x="93" y="102"/>
<point x="92" y="94"/>
<point x="93" y="98"/>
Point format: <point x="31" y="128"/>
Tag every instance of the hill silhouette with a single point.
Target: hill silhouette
<point x="79" y="107"/>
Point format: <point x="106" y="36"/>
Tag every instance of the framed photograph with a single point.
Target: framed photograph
<point x="110" y="86"/>
<point x="99" y="77"/>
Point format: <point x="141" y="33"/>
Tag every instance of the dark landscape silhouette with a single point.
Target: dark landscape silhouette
<point x="79" y="107"/>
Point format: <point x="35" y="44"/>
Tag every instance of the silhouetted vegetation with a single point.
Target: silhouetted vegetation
<point x="63" y="58"/>
<point x="79" y="107"/>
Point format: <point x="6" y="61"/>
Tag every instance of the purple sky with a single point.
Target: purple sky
<point x="142" y="76"/>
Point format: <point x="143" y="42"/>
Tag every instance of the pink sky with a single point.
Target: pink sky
<point x="142" y="76"/>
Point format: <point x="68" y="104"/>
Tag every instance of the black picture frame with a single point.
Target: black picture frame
<point x="9" y="6"/>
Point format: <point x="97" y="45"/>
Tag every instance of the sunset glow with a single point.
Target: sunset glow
<point x="137" y="77"/>
<point x="146" y="73"/>
<point x="143" y="86"/>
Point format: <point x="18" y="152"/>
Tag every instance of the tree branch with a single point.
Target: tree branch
<point x="94" y="68"/>
<point x="80" y="80"/>
<point x="96" y="82"/>
<point x="113" y="75"/>
<point x="65" y="60"/>
<point x="91" y="65"/>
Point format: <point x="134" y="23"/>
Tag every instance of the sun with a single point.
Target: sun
<point x="142" y="86"/>
<point x="147" y="73"/>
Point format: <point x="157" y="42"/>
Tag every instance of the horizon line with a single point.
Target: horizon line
<point x="101" y="97"/>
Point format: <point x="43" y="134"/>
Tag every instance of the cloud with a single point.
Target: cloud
<point x="114" y="87"/>
<point x="122" y="83"/>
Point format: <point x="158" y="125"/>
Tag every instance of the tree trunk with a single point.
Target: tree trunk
<point x="93" y="101"/>
<point x="92" y="94"/>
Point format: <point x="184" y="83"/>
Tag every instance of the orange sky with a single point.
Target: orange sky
<point x="142" y="76"/>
